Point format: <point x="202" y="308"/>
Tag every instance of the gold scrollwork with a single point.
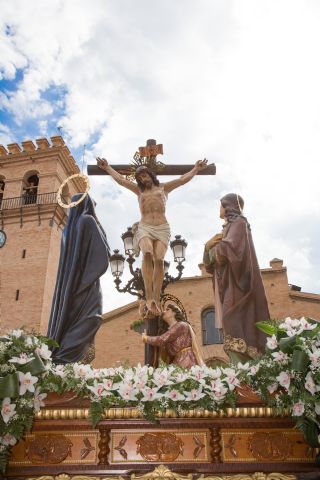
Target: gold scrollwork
<point x="164" y="473"/>
<point x="160" y="473"/>
<point x="251" y="476"/>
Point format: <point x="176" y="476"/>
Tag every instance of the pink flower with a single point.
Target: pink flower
<point x="194" y="395"/>
<point x="174" y="395"/>
<point x="253" y="369"/>
<point x="217" y="385"/>
<point x="273" y="387"/>
<point x="315" y="356"/>
<point x="309" y="384"/>
<point x="162" y="377"/>
<point x="280" y="356"/>
<point x="44" y="351"/>
<point x="59" y="370"/>
<point x="127" y="392"/>
<point x="231" y="378"/>
<point x="8" y="409"/>
<point x="98" y="389"/>
<point x="150" y="394"/>
<point x="38" y="399"/>
<point x="272" y="342"/>
<point x="284" y="380"/>
<point x="140" y="383"/>
<point x="108" y="383"/>
<point x="8" y="439"/>
<point x="298" y="409"/>
<point x="219" y="395"/>
<point x="22" y="359"/>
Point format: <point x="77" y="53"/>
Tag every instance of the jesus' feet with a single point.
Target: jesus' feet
<point x="153" y="307"/>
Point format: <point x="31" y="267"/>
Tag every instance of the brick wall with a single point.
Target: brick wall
<point x="27" y="284"/>
<point x="115" y="342"/>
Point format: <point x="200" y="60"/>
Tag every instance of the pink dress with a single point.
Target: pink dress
<point x="177" y="342"/>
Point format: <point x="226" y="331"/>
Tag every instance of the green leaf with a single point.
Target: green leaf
<point x="95" y="413"/>
<point x="310" y="431"/>
<point x="300" y="360"/>
<point x="286" y="344"/>
<point x="267" y="328"/>
<point x="3" y="459"/>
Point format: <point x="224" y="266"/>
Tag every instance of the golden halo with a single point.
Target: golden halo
<point x="73" y="204"/>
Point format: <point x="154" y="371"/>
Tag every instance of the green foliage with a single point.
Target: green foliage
<point x="96" y="411"/>
<point x="310" y="430"/>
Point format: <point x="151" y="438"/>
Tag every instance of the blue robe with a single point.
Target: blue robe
<point x="76" y="312"/>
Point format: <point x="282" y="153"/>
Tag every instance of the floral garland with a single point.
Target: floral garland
<point x="24" y="363"/>
<point x="287" y="377"/>
<point x="27" y="375"/>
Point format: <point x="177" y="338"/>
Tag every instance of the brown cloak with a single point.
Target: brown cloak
<point x="240" y="288"/>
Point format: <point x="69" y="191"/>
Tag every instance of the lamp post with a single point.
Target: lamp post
<point x="135" y="285"/>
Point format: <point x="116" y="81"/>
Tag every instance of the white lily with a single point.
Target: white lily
<point x="8" y="409"/>
<point x="27" y="382"/>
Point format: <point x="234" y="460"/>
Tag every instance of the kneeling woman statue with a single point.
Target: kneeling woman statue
<point x="179" y="342"/>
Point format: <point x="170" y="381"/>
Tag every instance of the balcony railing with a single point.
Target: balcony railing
<point x="28" y="201"/>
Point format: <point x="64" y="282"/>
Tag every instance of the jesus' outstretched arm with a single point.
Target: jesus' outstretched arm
<point x="104" y="165"/>
<point x="200" y="165"/>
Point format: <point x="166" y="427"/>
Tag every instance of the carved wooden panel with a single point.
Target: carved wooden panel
<point x="158" y="446"/>
<point x="267" y="446"/>
<point x="56" y="448"/>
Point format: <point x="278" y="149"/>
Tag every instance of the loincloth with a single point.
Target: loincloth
<point x="154" y="232"/>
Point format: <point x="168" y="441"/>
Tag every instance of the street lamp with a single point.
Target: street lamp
<point x="178" y="246"/>
<point x="135" y="286"/>
<point x="127" y="238"/>
<point x="117" y="264"/>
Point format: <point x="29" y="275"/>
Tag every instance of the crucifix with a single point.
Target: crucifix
<point x="149" y="153"/>
<point x="152" y="232"/>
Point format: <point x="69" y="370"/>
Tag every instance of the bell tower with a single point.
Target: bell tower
<point x="31" y="223"/>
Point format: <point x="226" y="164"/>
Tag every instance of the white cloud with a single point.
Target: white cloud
<point x="237" y="82"/>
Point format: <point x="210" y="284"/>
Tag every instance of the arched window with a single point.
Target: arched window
<point x="210" y="334"/>
<point x="30" y="188"/>
<point x="2" y="185"/>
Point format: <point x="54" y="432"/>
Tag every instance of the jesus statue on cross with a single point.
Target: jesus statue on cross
<point x="152" y="233"/>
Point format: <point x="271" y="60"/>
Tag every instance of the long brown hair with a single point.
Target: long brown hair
<point x="151" y="174"/>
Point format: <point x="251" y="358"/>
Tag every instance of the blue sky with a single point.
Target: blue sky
<point x="234" y="81"/>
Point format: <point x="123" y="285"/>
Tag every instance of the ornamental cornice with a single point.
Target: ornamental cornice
<point x="162" y="472"/>
<point x="134" y="413"/>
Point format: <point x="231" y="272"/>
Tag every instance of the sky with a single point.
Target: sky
<point x="236" y="82"/>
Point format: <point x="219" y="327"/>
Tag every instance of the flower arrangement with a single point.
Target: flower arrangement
<point x="149" y="389"/>
<point x="27" y="374"/>
<point x="24" y="363"/>
<point x="287" y="376"/>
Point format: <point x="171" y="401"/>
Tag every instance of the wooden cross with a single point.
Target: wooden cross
<point x="147" y="155"/>
<point x="150" y="151"/>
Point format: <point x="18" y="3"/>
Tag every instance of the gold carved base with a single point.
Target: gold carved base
<point x="164" y="473"/>
<point x="208" y="445"/>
